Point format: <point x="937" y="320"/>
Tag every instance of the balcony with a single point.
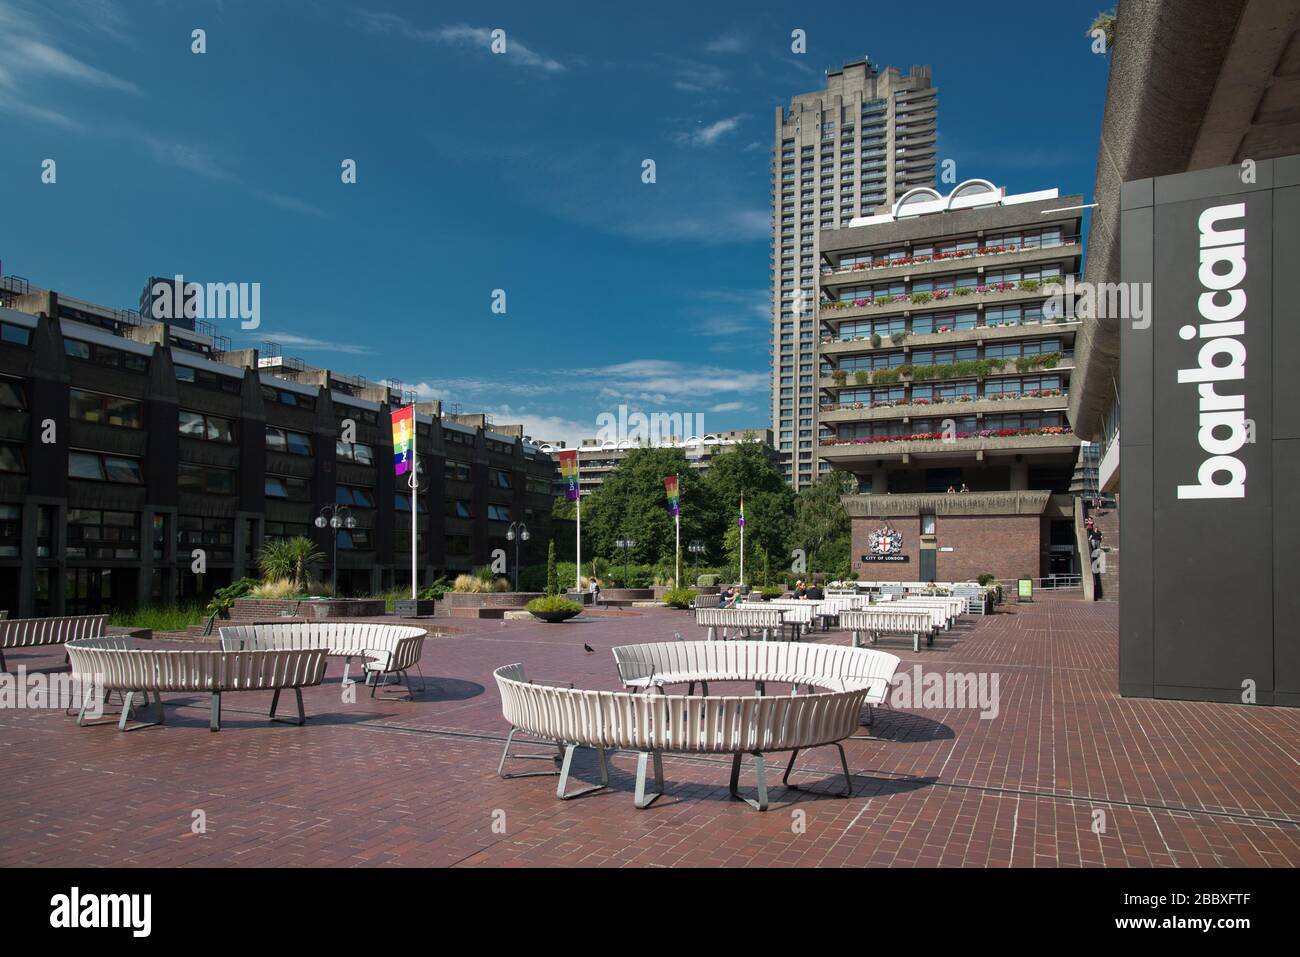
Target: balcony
<point x="942" y="299"/>
<point x="980" y="334"/>
<point x="1010" y="255"/>
<point x="981" y="446"/>
<point x="989" y="369"/>
<point x="925" y="408"/>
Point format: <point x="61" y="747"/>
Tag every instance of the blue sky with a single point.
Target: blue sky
<point x="478" y="171"/>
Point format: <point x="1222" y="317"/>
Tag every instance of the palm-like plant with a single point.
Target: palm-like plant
<point x="290" y="559"/>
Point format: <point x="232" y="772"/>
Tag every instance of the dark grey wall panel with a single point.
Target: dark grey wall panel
<point x="1202" y="567"/>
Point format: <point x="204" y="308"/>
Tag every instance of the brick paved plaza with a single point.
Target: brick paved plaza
<point x="415" y="783"/>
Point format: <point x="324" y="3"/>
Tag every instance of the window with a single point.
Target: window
<point x="352" y="452"/>
<point x="456" y="508"/>
<point x="288" y="441"/>
<point x="280" y="530"/>
<point x="15" y="335"/>
<point x="209" y="380"/>
<point x="943" y="391"/>
<point x="354" y="495"/>
<point x="499" y="448"/>
<point x="105" y="356"/>
<point x="368" y="416"/>
<point x="355" y="539"/>
<point x="104" y="409"/>
<point x="455" y="471"/>
<point x="402" y="503"/>
<point x="1029" y="347"/>
<point x="216" y="536"/>
<point x="13" y="394"/>
<point x="206" y="428"/>
<point x="285" y="397"/>
<point x="287" y="487"/>
<point x="1024" y="420"/>
<point x="12" y="459"/>
<point x="100" y="534"/>
<point x="204" y="479"/>
<point x="101" y="467"/>
<point x="457" y="437"/>
<point x="11" y="530"/>
<point x="498" y="513"/>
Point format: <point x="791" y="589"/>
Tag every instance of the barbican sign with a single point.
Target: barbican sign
<point x="1210" y="446"/>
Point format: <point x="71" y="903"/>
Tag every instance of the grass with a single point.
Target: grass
<point x="160" y="617"/>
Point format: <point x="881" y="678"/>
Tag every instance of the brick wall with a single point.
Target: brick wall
<point x="1006" y="546"/>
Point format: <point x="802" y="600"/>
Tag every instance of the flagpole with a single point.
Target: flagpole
<point x="415" y="507"/>
<point x="742" y="541"/>
<point x="577" y="473"/>
<point x="677" y="581"/>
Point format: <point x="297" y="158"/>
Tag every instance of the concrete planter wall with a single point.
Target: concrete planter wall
<point x="259" y="609"/>
<point x="491" y="599"/>
<point x="627" y="594"/>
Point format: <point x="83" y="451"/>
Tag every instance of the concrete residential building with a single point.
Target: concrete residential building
<point x="596" y="459"/>
<point x="125" y="444"/>
<point x="940" y="367"/>
<point x="841" y="152"/>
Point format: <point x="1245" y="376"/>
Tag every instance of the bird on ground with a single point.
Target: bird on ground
<point x="588" y="649"/>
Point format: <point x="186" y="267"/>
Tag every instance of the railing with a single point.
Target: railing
<point x="955" y="400"/>
<point x="944" y="295"/>
<point x="948" y="436"/>
<point x="979" y="251"/>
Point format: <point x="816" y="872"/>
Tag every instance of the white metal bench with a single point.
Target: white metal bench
<point x="114" y="664"/>
<point x="29" y="632"/>
<point x="390" y="649"/>
<point x="654" y="724"/>
<point x="745" y="619"/>
<point x="876" y="622"/>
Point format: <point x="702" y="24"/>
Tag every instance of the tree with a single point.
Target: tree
<point x="747" y="469"/>
<point x="821" y="526"/>
<point x="632" y="501"/>
<point x="289" y="559"/>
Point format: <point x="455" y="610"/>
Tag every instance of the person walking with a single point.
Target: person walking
<point x="595" y="592"/>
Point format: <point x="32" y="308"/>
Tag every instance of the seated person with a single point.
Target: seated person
<point x="800" y="589"/>
<point x="728" y="598"/>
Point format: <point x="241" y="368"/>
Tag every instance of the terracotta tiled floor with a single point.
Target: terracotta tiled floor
<point x="397" y="782"/>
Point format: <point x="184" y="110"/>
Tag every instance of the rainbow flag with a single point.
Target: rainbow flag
<point x="403" y="439"/>
<point x="674" y="496"/>
<point x="569" y="474"/>
<point x="742" y="511"/>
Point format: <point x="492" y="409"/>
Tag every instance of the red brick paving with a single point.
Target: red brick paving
<point x="414" y="783"/>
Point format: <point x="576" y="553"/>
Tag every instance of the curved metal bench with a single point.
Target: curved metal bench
<point x="29" y="632"/>
<point x="735" y="725"/>
<point x="114" y="664"/>
<point x="392" y="649"/>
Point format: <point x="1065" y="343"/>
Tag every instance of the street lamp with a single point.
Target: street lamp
<point x="697" y="549"/>
<point x="518" y="532"/>
<point x="336" y="518"/>
<point x="625" y="543"/>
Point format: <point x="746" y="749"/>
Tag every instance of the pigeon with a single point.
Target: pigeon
<point x="588" y="649"/>
<point x="677" y="636"/>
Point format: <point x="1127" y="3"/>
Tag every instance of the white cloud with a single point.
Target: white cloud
<point x="733" y="41"/>
<point x="699" y="77"/>
<point x="463" y="35"/>
<point x="309" y="344"/>
<point x="709" y="135"/>
<point x="40" y="59"/>
<point x="727" y="407"/>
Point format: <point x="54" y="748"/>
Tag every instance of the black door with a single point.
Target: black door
<point x="928" y="564"/>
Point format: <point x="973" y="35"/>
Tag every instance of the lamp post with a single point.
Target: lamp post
<point x="627" y="544"/>
<point x="336" y="518"/>
<point x="518" y="532"/>
<point x="696" y="548"/>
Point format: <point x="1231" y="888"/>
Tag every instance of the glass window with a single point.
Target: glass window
<point x="13" y="460"/>
<point x="12" y="394"/>
<point x="104" y="409"/>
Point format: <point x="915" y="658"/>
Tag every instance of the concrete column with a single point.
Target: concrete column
<point x="1019" y="476"/>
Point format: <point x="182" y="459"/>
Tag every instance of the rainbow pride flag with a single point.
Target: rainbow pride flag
<point x="403" y="439"/>
<point x="674" y="496"/>
<point x="569" y="474"/>
<point x="742" y="511"/>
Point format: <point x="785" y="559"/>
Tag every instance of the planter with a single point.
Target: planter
<point x="554" y="616"/>
<point x="414" y="608"/>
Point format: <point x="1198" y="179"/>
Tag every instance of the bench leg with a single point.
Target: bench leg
<point x="916" y="641"/>
<point x="856" y="638"/>
<point x="275" y="703"/>
<point x="214" y="722"/>
<point x="643" y="802"/>
<point x="564" y="775"/>
<point x="760" y="781"/>
<point x="506" y="755"/>
<point x="125" y="720"/>
<point x="844" y="763"/>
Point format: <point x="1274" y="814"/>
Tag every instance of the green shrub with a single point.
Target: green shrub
<point x="985" y="578"/>
<point x="679" y="598"/>
<point x="223" y="598"/>
<point x="436" y="591"/>
<point x="707" y="581"/>
<point x="553" y="603"/>
<point x="552" y="575"/>
<point x="289" y="559"/>
<point x="159" y="617"/>
<point x="771" y="591"/>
